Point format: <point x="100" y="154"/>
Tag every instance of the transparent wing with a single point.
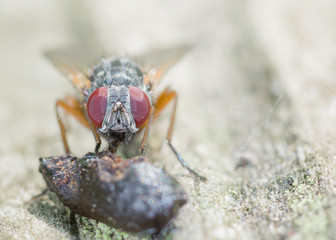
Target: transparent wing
<point x="74" y="63"/>
<point x="157" y="62"/>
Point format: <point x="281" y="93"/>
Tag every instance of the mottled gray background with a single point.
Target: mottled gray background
<point x="258" y="87"/>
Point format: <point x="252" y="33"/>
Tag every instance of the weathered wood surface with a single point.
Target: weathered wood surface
<point x="258" y="88"/>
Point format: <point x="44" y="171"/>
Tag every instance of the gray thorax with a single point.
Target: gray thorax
<point x="116" y="71"/>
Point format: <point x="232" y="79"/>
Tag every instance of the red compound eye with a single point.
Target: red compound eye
<point x="140" y="105"/>
<point x="96" y="106"/>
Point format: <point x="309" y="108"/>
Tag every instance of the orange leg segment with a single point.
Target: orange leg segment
<point x="166" y="97"/>
<point x="72" y="107"/>
<point x="145" y="136"/>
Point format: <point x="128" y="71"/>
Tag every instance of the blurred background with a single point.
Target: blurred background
<point x="256" y="111"/>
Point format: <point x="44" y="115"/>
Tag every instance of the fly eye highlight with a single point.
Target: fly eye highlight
<point x="140" y="106"/>
<point x="96" y="106"/>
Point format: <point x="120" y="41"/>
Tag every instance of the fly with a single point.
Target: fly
<point x="115" y="96"/>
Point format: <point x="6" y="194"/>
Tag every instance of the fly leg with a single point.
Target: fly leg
<point x="72" y="106"/>
<point x="145" y="136"/>
<point x="94" y="131"/>
<point x="167" y="96"/>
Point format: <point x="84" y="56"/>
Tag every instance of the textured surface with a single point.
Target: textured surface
<point x="256" y="112"/>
